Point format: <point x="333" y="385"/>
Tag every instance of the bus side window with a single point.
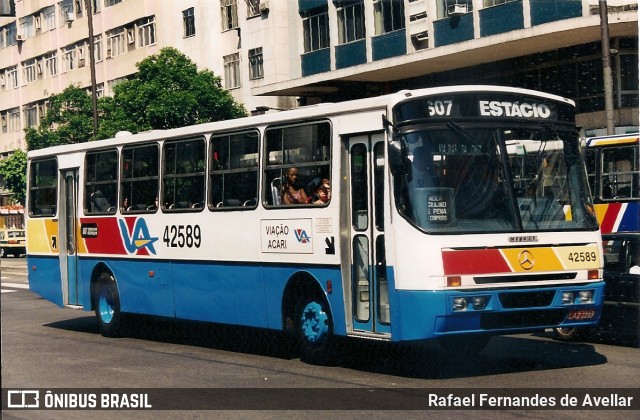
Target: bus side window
<point x="43" y="187"/>
<point x="139" y="178"/>
<point x="234" y="171"/>
<point x="101" y="178"/>
<point x="305" y="147"/>
<point x="183" y="181"/>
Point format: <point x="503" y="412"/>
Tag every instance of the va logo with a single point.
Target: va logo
<point x="138" y="238"/>
<point x="301" y="236"/>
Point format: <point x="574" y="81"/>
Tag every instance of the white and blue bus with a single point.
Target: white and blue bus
<point x="433" y="229"/>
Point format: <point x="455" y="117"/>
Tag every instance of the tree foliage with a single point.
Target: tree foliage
<point x="14" y="171"/>
<point x="167" y="92"/>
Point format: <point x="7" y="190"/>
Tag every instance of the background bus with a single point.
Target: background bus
<point x="427" y="233"/>
<point x="613" y="166"/>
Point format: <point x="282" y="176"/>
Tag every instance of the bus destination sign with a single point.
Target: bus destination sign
<point x="480" y="106"/>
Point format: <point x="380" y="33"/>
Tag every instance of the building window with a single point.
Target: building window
<point x="109" y="3"/>
<point x="65" y="6"/>
<point x="315" y="24"/>
<point x="253" y="8"/>
<point x="97" y="48"/>
<point x="232" y="71"/>
<point x="255" y="64"/>
<point x="116" y="42"/>
<point x="14" y="120"/>
<point x="69" y="58"/>
<point x="29" y="71"/>
<point x="27" y="27"/>
<point x="350" y="21"/>
<point x="389" y="16"/>
<point x="49" y="18"/>
<point x="12" y="77"/>
<point x="147" y="32"/>
<point x="189" y="22"/>
<point x="51" y="64"/>
<point x="229" y="13"/>
<point x="11" y="34"/>
<point x="30" y="115"/>
<point x="96" y="6"/>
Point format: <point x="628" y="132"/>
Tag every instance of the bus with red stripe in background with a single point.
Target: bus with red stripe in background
<point x="424" y="226"/>
<point x="613" y="167"/>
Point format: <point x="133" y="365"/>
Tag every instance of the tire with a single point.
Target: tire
<point x="567" y="334"/>
<point x="315" y="332"/>
<point x="464" y="345"/>
<point x="107" y="306"/>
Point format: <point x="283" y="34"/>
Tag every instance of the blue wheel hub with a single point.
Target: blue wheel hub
<point x="105" y="305"/>
<point x="315" y="323"/>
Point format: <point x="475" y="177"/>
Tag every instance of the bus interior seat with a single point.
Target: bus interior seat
<point x="250" y="202"/>
<point x="275" y="191"/>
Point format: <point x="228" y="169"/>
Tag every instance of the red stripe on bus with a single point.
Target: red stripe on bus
<point x="108" y="240"/>
<point x="610" y="216"/>
<point x="476" y="261"/>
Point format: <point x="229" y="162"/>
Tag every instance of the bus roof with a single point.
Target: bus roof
<point x="312" y="111"/>
<point x="612" y="140"/>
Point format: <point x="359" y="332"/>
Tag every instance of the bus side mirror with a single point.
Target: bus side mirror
<point x="397" y="155"/>
<point x="396" y="151"/>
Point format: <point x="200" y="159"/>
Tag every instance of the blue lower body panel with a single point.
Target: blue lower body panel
<point x="426" y="314"/>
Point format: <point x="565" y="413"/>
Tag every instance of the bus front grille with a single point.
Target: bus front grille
<point x="523" y="319"/>
<point x="512" y="300"/>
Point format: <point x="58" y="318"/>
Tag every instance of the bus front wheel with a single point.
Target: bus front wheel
<point x="107" y="306"/>
<point x="315" y="332"/>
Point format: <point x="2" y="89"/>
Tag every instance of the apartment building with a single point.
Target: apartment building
<point x="277" y="54"/>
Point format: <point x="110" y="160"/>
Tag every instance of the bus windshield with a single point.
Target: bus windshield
<point x="476" y="179"/>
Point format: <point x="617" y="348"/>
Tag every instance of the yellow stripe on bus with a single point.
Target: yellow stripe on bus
<point x="527" y="260"/>
<point x="42" y="236"/>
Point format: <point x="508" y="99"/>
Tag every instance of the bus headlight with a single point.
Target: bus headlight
<point x="567" y="297"/>
<point x="459" y="304"/>
<point x="585" y="296"/>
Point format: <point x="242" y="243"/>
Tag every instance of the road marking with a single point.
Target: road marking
<point x="7" y="291"/>
<point x="16" y="285"/>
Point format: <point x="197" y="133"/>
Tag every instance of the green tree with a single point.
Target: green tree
<point x="69" y="119"/>
<point x="14" y="171"/>
<point x="169" y="91"/>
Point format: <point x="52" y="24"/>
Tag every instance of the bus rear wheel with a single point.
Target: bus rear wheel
<point x="107" y="306"/>
<point x="315" y="332"/>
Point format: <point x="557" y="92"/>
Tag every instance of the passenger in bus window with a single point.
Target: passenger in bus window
<point x="320" y="191"/>
<point x="125" y="205"/>
<point x="292" y="191"/>
<point x="153" y="206"/>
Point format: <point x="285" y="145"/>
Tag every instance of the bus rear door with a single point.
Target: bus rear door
<point x="68" y="235"/>
<point x="368" y="280"/>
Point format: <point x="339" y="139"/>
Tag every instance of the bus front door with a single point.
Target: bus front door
<point x="68" y="236"/>
<point x="368" y="282"/>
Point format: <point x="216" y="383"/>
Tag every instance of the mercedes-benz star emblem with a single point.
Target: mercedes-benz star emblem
<point x="526" y="259"/>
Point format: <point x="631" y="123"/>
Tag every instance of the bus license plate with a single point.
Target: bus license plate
<point x="581" y="314"/>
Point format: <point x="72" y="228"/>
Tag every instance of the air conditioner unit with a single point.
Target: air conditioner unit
<point x="70" y="16"/>
<point x="457" y="9"/>
<point x="19" y="37"/>
<point x="264" y="6"/>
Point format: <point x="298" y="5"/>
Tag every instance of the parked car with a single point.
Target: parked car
<point x="621" y="311"/>
<point x="12" y="241"/>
